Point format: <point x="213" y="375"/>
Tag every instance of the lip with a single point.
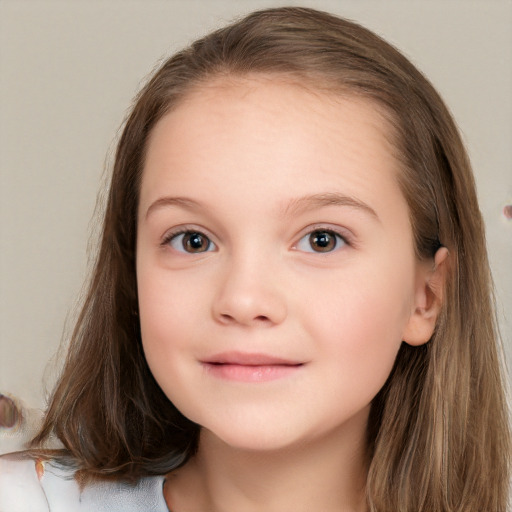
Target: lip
<point x="250" y="367"/>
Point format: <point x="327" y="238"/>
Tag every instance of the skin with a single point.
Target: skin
<point x="255" y="166"/>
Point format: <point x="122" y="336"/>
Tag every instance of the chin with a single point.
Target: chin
<point x="254" y="441"/>
<point x="260" y="436"/>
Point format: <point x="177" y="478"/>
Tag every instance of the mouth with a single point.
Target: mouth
<point x="246" y="367"/>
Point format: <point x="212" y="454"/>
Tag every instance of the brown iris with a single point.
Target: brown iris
<point x="322" y="241"/>
<point x="195" y="242"/>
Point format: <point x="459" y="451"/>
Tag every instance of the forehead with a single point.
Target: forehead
<point x="303" y="99"/>
<point x="256" y="130"/>
<point x="275" y="91"/>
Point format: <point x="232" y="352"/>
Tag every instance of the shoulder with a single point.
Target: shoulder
<point x="28" y="485"/>
<point x="20" y="488"/>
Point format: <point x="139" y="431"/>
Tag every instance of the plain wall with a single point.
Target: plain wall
<point x="68" y="72"/>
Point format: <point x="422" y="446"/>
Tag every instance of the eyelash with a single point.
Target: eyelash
<point x="174" y="235"/>
<point x="338" y="238"/>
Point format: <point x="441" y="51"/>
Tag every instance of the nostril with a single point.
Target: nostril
<point x="248" y="307"/>
<point x="228" y="319"/>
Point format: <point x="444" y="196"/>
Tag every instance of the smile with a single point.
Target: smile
<point x="244" y="367"/>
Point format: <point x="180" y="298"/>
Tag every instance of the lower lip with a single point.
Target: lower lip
<point x="251" y="373"/>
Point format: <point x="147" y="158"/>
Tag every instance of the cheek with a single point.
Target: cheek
<point x="164" y="332"/>
<point x="174" y="307"/>
<point x="360" y="324"/>
<point x="161" y="314"/>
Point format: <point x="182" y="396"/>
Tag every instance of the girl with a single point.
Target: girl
<point x="291" y="305"/>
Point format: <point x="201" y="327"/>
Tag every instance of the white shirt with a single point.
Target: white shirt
<point x="56" y="490"/>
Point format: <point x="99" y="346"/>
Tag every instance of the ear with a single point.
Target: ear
<point x="430" y="285"/>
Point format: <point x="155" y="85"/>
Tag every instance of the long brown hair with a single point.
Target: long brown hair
<point x="438" y="433"/>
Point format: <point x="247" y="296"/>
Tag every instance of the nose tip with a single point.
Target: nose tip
<point x="256" y="302"/>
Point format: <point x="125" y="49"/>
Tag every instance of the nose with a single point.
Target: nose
<point x="250" y="294"/>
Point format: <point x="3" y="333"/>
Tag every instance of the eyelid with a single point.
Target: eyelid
<point x="345" y="234"/>
<point x="184" y="229"/>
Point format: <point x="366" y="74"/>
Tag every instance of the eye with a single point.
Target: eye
<point x="321" y="240"/>
<point x="190" y="241"/>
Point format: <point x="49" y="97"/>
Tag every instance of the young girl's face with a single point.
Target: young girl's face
<point x="275" y="261"/>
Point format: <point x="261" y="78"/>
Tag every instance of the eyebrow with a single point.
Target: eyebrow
<point x="183" y="202"/>
<point x="295" y="206"/>
<point x="310" y="202"/>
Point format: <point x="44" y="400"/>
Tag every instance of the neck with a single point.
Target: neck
<point x="327" y="474"/>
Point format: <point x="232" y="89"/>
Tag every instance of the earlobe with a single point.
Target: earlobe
<point x="429" y="296"/>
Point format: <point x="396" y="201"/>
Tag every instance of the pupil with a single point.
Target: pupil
<point x="195" y="242"/>
<point x="323" y="241"/>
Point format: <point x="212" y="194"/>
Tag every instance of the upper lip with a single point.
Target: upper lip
<point x="249" y="359"/>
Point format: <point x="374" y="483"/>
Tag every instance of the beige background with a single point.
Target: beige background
<point x="68" y="71"/>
